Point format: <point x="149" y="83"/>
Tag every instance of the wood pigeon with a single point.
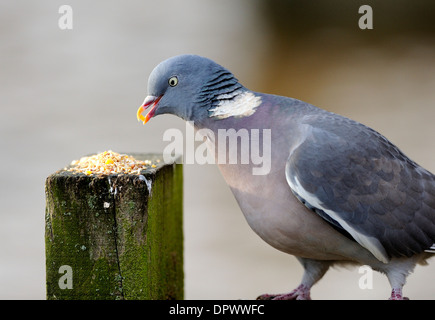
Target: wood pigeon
<point x="336" y="192"/>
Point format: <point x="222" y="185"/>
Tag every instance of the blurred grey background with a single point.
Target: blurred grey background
<point x="69" y="93"/>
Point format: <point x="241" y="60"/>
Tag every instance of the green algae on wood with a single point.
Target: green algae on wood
<point x="120" y="235"/>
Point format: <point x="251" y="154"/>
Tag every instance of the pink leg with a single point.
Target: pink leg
<point x="396" y="294"/>
<point x="300" y="293"/>
<point x="313" y="271"/>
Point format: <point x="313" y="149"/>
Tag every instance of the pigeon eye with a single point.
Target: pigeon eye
<point x="173" y="81"/>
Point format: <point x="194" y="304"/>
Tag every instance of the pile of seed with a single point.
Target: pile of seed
<point x="109" y="162"/>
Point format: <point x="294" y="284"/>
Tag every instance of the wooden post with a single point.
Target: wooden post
<point x="115" y="237"/>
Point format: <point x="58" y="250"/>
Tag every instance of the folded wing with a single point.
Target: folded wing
<point x="364" y="186"/>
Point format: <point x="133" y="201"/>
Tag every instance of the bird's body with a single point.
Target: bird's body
<point x="336" y="191"/>
<point x="288" y="224"/>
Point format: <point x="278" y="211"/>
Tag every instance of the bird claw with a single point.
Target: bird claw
<point x="300" y="293"/>
<point x="396" y="294"/>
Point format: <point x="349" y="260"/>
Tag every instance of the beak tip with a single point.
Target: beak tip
<point x="139" y="115"/>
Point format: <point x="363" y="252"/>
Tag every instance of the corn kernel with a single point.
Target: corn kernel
<point x="109" y="161"/>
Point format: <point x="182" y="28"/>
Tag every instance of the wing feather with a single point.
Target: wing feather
<point x="360" y="180"/>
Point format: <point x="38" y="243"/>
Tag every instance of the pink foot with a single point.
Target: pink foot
<point x="396" y="294"/>
<point x="300" y="293"/>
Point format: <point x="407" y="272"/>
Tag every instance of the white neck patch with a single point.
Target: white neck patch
<point x="243" y="105"/>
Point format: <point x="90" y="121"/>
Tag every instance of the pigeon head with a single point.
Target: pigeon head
<point x="188" y="86"/>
